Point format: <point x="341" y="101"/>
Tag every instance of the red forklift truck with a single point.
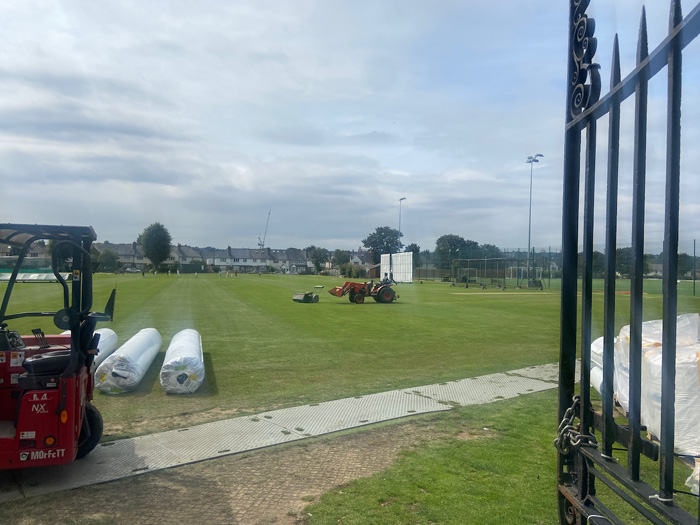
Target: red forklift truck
<point x="46" y="381"/>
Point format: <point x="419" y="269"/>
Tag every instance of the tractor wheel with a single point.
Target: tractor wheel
<point x="386" y="295"/>
<point x="359" y="298"/>
<point x="91" y="431"/>
<point x="352" y="298"/>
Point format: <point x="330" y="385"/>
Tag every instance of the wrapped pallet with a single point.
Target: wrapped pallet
<point x="693" y="480"/>
<point x="687" y="334"/>
<point x="183" y="366"/>
<point x="597" y="365"/>
<point x="687" y="415"/>
<point x="125" y="368"/>
<point x="687" y="398"/>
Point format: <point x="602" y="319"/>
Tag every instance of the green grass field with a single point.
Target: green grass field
<point x="263" y="352"/>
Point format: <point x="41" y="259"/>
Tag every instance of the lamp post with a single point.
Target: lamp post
<point x="401" y="199"/>
<point x="398" y="248"/>
<point x="530" y="160"/>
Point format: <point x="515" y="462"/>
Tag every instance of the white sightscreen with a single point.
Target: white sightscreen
<point x="401" y="266"/>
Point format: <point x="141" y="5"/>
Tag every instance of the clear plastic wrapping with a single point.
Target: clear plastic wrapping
<point x="183" y="367"/>
<point x="125" y="368"/>
<point x="107" y="345"/>
<point x="687" y="414"/>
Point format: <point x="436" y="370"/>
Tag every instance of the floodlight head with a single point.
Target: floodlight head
<point x="539" y="155"/>
<point x="402" y="199"/>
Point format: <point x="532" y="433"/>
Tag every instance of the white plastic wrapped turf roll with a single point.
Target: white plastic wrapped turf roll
<point x="124" y="369"/>
<point x="107" y="345"/>
<point x="183" y="366"/>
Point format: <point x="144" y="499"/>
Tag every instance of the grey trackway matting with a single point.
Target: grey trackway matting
<point x="129" y="457"/>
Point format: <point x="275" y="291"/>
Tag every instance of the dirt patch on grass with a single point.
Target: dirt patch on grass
<point x="262" y="487"/>
<point x="140" y="425"/>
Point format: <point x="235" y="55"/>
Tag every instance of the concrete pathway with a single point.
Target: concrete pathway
<point x="130" y="457"/>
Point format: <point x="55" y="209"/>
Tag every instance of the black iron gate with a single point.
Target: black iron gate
<point x="583" y="461"/>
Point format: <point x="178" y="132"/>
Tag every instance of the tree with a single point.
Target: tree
<point x="624" y="262"/>
<point x="415" y="250"/>
<point x="449" y="247"/>
<point x="155" y="242"/>
<point x="490" y="251"/>
<point x="597" y="264"/>
<point x="383" y="240"/>
<point x="108" y="260"/>
<point x="685" y="264"/>
<point x="318" y="256"/>
<point x="340" y="257"/>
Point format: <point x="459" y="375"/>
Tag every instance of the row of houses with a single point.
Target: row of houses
<point x="130" y="255"/>
<point x="35" y="258"/>
<point x="291" y="260"/>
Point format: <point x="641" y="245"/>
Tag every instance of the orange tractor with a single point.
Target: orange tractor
<point x="382" y="292"/>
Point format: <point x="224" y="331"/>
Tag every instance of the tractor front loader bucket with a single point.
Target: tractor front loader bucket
<point x="337" y="291"/>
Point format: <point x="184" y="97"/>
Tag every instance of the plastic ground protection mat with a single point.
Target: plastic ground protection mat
<point x="130" y="457"/>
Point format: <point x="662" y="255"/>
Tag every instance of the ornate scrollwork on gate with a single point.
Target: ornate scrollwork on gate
<point x="583" y="48"/>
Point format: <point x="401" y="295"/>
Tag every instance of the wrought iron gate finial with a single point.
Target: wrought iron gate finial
<point x="643" y="41"/>
<point x="584" y="46"/>
<point x="676" y="15"/>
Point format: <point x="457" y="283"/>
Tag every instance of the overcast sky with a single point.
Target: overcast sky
<point x="205" y="115"/>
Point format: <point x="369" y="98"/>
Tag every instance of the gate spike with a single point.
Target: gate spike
<point x="676" y="16"/>
<point x="615" y="77"/>
<point x="643" y="44"/>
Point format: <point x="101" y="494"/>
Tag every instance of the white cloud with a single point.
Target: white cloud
<point x="204" y="116"/>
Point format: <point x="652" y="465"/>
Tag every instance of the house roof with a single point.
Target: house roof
<point x="121" y="249"/>
<point x="240" y="253"/>
<point x="294" y="254"/>
<point x="184" y="250"/>
<point x="260" y="254"/>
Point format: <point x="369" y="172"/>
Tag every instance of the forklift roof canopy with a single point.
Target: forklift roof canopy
<point x="19" y="234"/>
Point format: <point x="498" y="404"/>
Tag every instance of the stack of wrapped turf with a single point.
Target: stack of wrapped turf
<point x="687" y="415"/>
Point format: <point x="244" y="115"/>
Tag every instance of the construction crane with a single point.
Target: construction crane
<point x="261" y="242"/>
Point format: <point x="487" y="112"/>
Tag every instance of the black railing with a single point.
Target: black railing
<point x="582" y="460"/>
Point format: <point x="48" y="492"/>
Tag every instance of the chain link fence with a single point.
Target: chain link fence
<point x="514" y="269"/>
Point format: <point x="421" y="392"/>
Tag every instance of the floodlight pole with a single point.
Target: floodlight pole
<point x="530" y="160"/>
<point x="401" y="199"/>
<point x="398" y="248"/>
